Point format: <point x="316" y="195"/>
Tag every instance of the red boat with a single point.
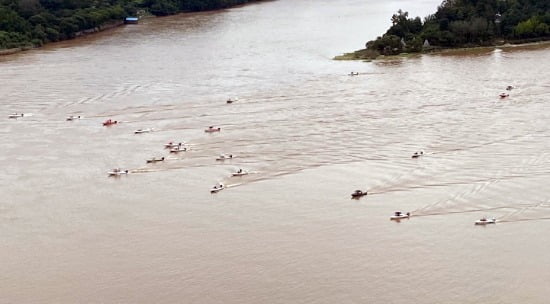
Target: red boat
<point x="109" y="122"/>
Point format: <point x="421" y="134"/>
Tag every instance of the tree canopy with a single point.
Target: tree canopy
<point x="463" y="23"/>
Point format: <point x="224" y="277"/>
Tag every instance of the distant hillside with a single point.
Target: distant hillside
<point x="464" y="23"/>
<point x="29" y="23"/>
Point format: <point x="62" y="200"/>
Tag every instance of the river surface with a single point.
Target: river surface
<point x="307" y="133"/>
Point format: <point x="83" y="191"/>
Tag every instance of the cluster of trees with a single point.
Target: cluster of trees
<point x="29" y="23"/>
<point x="463" y="23"/>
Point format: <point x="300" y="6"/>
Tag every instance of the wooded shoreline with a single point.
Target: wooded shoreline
<point x="458" y="24"/>
<point x="29" y="24"/>
<point x="101" y="28"/>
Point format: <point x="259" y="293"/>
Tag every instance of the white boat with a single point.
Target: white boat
<point x="486" y="221"/>
<point x="118" y="172"/>
<point x="504" y="95"/>
<point x="232" y="100"/>
<point x="354" y="73"/>
<point x="16" y="115"/>
<point x="240" y="173"/>
<point x="140" y="131"/>
<point x="398" y="215"/>
<point x="211" y="129"/>
<point x="71" y="118"/>
<point x="224" y="157"/>
<point x="178" y="149"/>
<point x="154" y="160"/>
<point x="171" y="145"/>
<point x="217" y="188"/>
<point x="417" y="154"/>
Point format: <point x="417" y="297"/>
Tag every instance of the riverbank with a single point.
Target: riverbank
<point x="12" y="51"/>
<point x="101" y="28"/>
<point x="142" y="13"/>
<point x="459" y="24"/>
<point x="370" y="55"/>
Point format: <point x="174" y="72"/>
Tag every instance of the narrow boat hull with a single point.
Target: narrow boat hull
<point x="142" y="131"/>
<point x="117" y="173"/>
<point x="216" y="190"/>
<point x="178" y="150"/>
<point x="485" y="222"/>
<point x="212" y="130"/>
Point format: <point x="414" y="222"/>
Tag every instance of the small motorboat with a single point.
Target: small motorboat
<point x="232" y="100"/>
<point x="509" y="88"/>
<point x="71" y="118"/>
<point x="171" y="145"/>
<point x="358" y="194"/>
<point x="16" y="115"/>
<point x="217" y="188"/>
<point x="486" y="221"/>
<point x="224" y="157"/>
<point x="353" y="73"/>
<point x="154" y="160"/>
<point x="211" y="129"/>
<point x="239" y="172"/>
<point x="398" y="215"/>
<point x="141" y="131"/>
<point x="417" y="154"/>
<point x="178" y="149"/>
<point x="118" y="172"/>
<point x="504" y="95"/>
<point x="110" y="122"/>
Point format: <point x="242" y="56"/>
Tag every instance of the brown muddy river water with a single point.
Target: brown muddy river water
<point x="308" y="135"/>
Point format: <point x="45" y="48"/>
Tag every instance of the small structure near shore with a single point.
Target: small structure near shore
<point x="426" y="44"/>
<point x="131" y="20"/>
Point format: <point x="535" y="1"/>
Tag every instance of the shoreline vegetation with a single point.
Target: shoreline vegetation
<point x="366" y="55"/>
<point x="28" y="24"/>
<point x="461" y="24"/>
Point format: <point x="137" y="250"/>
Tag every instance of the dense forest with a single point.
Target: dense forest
<point x="464" y="23"/>
<point x="30" y="23"/>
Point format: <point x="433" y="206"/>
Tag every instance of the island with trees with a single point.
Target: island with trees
<point x="30" y="23"/>
<point x="462" y="24"/>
